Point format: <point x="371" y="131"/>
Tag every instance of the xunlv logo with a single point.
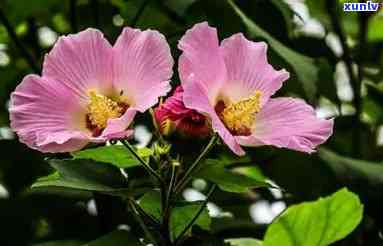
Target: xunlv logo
<point x="360" y="7"/>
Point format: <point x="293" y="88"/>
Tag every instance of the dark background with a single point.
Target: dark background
<point x="347" y="85"/>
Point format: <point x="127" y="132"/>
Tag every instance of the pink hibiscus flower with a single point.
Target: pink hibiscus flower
<point x="90" y="91"/>
<point x="232" y="83"/>
<point x="173" y="116"/>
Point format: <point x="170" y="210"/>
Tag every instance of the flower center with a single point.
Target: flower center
<point x="100" y="109"/>
<point x="239" y="116"/>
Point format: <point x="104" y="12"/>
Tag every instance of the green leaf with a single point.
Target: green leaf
<point x="116" y="238"/>
<point x="365" y="175"/>
<point x="179" y="7"/>
<point x="60" y="243"/>
<point x="117" y="155"/>
<point x="181" y="215"/>
<point x="318" y="10"/>
<point x="251" y="172"/>
<point x="244" y="242"/>
<point x="318" y="223"/>
<point x="372" y="111"/>
<point x="227" y="159"/>
<point x="19" y="10"/>
<point x="305" y="68"/>
<point x="287" y="13"/>
<point x="151" y="203"/>
<point x="83" y="174"/>
<point x="375" y="31"/>
<point x="214" y="171"/>
<point x="184" y="213"/>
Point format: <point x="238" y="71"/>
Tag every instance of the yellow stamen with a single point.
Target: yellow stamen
<point x="102" y="108"/>
<point x="240" y="116"/>
<point x="167" y="127"/>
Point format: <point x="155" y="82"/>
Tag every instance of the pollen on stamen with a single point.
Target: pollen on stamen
<point x="100" y="109"/>
<point x="239" y="116"/>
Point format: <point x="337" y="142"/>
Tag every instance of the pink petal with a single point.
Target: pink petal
<point x="289" y="123"/>
<point x="47" y="116"/>
<point x="202" y="58"/>
<point x="117" y="128"/>
<point x="81" y="61"/>
<point x="175" y="105"/>
<point x="248" y="69"/>
<point x="143" y="67"/>
<point x="195" y="97"/>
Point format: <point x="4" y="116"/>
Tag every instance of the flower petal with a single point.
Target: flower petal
<point x="117" y="128"/>
<point x="195" y="97"/>
<point x="248" y="69"/>
<point x="46" y="116"/>
<point x="202" y="57"/>
<point x="289" y="123"/>
<point x="81" y="61"/>
<point x="143" y="67"/>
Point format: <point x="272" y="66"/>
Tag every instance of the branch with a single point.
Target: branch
<point x="141" y="222"/>
<point x="332" y="9"/>
<point x="186" y="178"/>
<point x="148" y="168"/>
<point x="23" y="51"/>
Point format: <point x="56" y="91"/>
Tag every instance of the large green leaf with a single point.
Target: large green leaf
<point x="227" y="180"/>
<point x="287" y="13"/>
<point x="364" y="175"/>
<point x="151" y="203"/>
<point x="181" y="215"/>
<point x="116" y="238"/>
<point x="318" y="223"/>
<point x="117" y="155"/>
<point x="83" y="174"/>
<point x="244" y="242"/>
<point x="305" y="68"/>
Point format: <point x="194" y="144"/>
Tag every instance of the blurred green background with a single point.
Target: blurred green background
<point x="335" y="59"/>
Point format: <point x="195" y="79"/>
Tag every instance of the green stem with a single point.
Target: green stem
<point x="188" y="175"/>
<point x="171" y="184"/>
<point x="136" y="215"/>
<point x="165" y="228"/>
<point x="147" y="167"/>
<point x="191" y="223"/>
<point x="166" y="195"/>
<point x="152" y="220"/>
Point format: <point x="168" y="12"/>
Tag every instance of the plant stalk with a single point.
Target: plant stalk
<point x="136" y="215"/>
<point x="188" y="175"/>
<point x="148" y="168"/>
<point x="191" y="223"/>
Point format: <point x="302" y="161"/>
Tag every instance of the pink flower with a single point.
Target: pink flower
<point x="232" y="84"/>
<point x="90" y="91"/>
<point x="172" y="116"/>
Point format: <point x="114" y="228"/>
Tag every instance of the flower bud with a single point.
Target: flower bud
<point x="173" y="117"/>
